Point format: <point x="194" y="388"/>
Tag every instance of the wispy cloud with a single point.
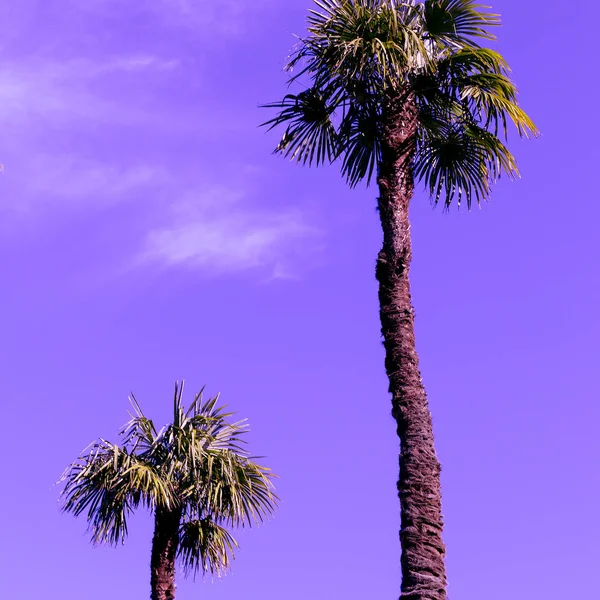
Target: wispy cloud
<point x="116" y="123"/>
<point x="45" y="102"/>
<point x="223" y="17"/>
<point x="50" y="88"/>
<point x="77" y="181"/>
<point x="54" y="113"/>
<point x="221" y="231"/>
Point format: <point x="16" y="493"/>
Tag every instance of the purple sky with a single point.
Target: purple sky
<point x="147" y="234"/>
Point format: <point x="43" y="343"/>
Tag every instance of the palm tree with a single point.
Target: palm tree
<point x="401" y="89"/>
<point x="193" y="474"/>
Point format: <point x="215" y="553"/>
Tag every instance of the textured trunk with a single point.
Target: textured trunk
<point x="164" y="551"/>
<point x="423" y="570"/>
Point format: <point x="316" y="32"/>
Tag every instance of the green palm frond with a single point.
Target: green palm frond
<point x="198" y="407"/>
<point x="109" y="482"/>
<point x="469" y="60"/>
<point x="239" y="490"/>
<point x="205" y="546"/>
<point x="464" y="106"/>
<point x="366" y="39"/>
<point x="139" y="432"/>
<point x="494" y="97"/>
<point x="310" y="135"/>
<point x="462" y="161"/>
<point x="478" y="79"/>
<point x="457" y="22"/>
<point x="360" y="140"/>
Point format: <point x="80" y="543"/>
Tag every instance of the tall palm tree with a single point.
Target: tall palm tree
<point x="401" y="89"/>
<point x="194" y="475"/>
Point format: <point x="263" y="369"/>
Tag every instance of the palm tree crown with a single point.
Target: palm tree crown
<point x="196" y="467"/>
<point x="362" y="56"/>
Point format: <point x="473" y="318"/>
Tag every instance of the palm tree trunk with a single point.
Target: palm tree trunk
<point x="422" y="561"/>
<point x="164" y="551"/>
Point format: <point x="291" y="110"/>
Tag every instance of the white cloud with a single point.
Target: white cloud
<point x="40" y="102"/>
<point x="73" y="178"/>
<point x="41" y="89"/>
<point x="86" y="132"/>
<point x="222" y="17"/>
<point x="219" y="231"/>
<point x="41" y="182"/>
<point x="137" y="63"/>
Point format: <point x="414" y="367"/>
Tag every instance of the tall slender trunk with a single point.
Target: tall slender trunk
<point x="422" y="561"/>
<point x="164" y="552"/>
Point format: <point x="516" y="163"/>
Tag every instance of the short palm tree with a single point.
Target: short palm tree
<point x="401" y="90"/>
<point x="193" y="474"/>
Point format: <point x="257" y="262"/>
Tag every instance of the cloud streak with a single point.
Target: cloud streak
<point x="50" y="88"/>
<point x="220" y="231"/>
<point x="227" y="17"/>
<point x="47" y="109"/>
<point x="72" y="179"/>
<point x="95" y="130"/>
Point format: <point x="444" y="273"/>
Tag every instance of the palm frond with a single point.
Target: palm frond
<point x="139" y="432"/>
<point x="310" y="135"/>
<point x="494" y="97"/>
<point x="473" y="60"/>
<point x="360" y="40"/>
<point x="477" y="79"/>
<point x="178" y="412"/>
<point x="360" y="143"/>
<point x="205" y="546"/>
<point x="196" y="406"/>
<point x="457" y="22"/>
<point x="108" y="482"/>
<point x="462" y="161"/>
<point x="236" y="489"/>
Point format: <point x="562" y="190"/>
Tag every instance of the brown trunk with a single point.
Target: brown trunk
<point x="164" y="551"/>
<point x="423" y="569"/>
